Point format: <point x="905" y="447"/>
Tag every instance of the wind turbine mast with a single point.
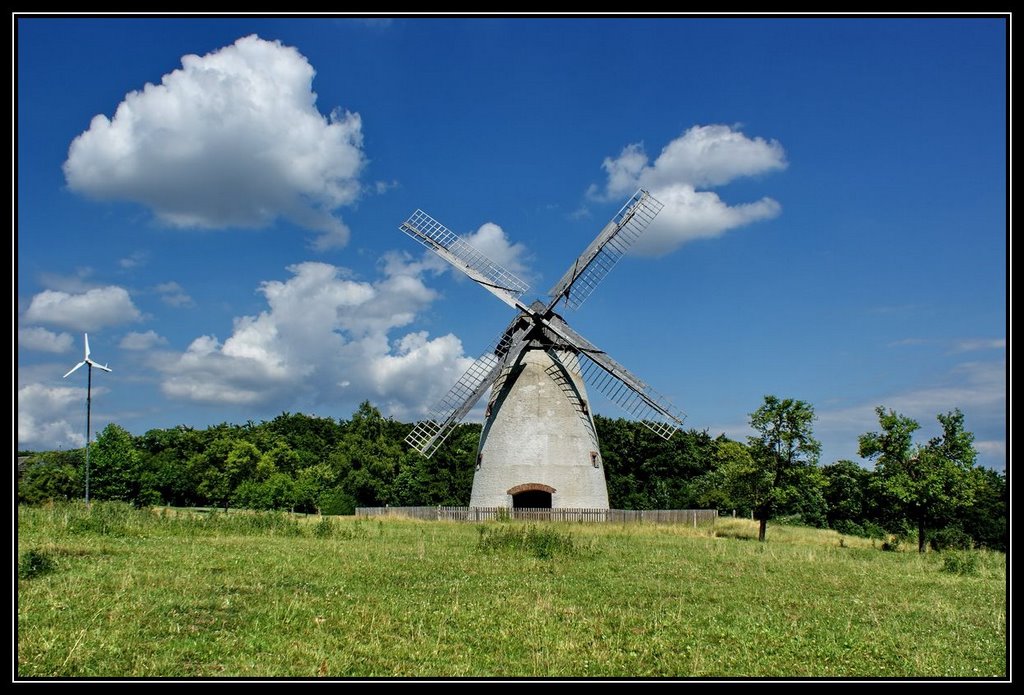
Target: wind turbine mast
<point x="87" y="361"/>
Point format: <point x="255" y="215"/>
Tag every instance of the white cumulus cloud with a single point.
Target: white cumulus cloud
<point x="42" y="340"/>
<point x="325" y="337"/>
<point x="48" y="418"/>
<point x="84" y="311"/>
<point x="491" y="240"/>
<point x="231" y="139"/>
<point x="701" y="158"/>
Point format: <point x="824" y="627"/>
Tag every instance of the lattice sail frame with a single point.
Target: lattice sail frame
<point x="583" y="277"/>
<point x="648" y="406"/>
<point x="429" y="434"/>
<point x="457" y="251"/>
<point x="653" y="409"/>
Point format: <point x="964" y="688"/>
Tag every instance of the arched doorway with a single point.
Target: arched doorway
<point x="531" y="496"/>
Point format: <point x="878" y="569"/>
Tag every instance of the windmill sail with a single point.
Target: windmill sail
<point x="604" y="374"/>
<point x="461" y="254"/>
<point x="646" y="405"/>
<point x="428" y="434"/>
<point x="584" y="275"/>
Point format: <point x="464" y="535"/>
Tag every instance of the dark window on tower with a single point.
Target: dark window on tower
<point x="593" y="458"/>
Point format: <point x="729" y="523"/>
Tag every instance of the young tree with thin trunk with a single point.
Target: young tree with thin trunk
<point x="929" y="483"/>
<point x="784" y="455"/>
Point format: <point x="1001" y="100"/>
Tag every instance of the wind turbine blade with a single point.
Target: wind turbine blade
<point x="100" y="366"/>
<point x="604" y="374"/>
<point x="605" y="250"/>
<point x="497" y="280"/>
<point x="86" y="346"/>
<point x="429" y="434"/>
<point x="80" y="364"/>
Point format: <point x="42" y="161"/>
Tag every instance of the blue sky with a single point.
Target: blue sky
<point x="217" y="201"/>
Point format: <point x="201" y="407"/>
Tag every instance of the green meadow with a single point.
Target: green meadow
<point x="114" y="591"/>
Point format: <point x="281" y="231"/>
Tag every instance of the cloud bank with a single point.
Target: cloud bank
<point x="231" y="139"/>
<point x="325" y="337"/>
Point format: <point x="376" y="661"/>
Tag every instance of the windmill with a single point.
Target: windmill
<point x="88" y="406"/>
<point x="538" y="446"/>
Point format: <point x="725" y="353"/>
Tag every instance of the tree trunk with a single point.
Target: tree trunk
<point x="920" y="534"/>
<point x="761" y="529"/>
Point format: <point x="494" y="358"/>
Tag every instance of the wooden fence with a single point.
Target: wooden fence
<point x="694" y="517"/>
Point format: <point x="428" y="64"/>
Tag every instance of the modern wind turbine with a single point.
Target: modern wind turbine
<point x="538" y="447"/>
<point x="88" y="406"/>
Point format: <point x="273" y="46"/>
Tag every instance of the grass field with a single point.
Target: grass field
<point x="119" y="592"/>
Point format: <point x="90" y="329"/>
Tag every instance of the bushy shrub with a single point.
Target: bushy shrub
<point x="35" y="563"/>
<point x="873" y="530"/>
<point x="541" y="542"/>
<point x="893" y="544"/>
<point x="337" y="501"/>
<point x="960" y="562"/>
<point x="324" y="528"/>
<point x="950" y="538"/>
<point x="866" y="529"/>
<point x="789" y="520"/>
<point x="848" y="528"/>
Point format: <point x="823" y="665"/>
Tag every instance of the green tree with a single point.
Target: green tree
<point x="645" y="471"/>
<point x="312" y="482"/>
<point x="845" y="487"/>
<point x="117" y="469"/>
<point x="985" y="519"/>
<point x="277" y="491"/>
<point x="166" y="452"/>
<point x="210" y="468"/>
<point x="930" y="483"/>
<point x="53" y="475"/>
<point x="279" y="458"/>
<point x="311" y="438"/>
<point x="723" y="486"/>
<point x="366" y="460"/>
<point x="785" y="456"/>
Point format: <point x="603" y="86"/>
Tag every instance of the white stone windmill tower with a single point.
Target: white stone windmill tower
<point x="538" y="447"/>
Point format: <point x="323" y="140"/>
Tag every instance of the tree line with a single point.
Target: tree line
<point x="296" y="462"/>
